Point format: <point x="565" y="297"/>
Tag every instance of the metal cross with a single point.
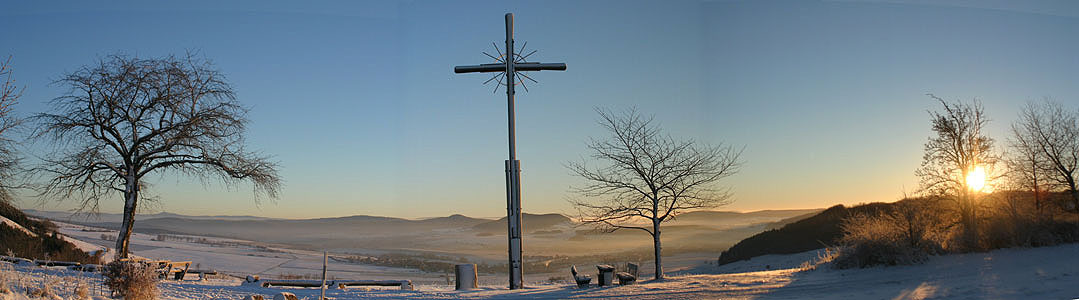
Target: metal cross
<point x="508" y="65"/>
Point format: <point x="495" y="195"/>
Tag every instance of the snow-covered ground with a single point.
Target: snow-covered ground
<point x="252" y="258"/>
<point x="239" y="259"/>
<point x="1036" y="273"/>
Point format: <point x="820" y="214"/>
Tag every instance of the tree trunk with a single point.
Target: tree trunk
<point x="658" y="249"/>
<point x="969" y="221"/>
<point x="1037" y="196"/>
<point x="131" y="196"/>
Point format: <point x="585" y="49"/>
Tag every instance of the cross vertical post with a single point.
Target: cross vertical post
<point x="513" y="171"/>
<point x="509" y="65"/>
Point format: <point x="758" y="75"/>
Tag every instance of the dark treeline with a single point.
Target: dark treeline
<point x="46" y="245"/>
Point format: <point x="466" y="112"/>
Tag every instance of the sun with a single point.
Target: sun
<point x="976" y="179"/>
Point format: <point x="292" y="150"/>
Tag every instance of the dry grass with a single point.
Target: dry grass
<point x="131" y="280"/>
<point x="829" y="255"/>
<point x="82" y="289"/>
<point x="6" y="275"/>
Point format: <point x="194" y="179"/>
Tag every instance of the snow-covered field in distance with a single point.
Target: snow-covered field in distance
<point x="1036" y="273"/>
<point x="234" y="257"/>
<point x="475" y="239"/>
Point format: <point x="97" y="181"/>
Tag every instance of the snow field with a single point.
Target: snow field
<point x="1037" y="273"/>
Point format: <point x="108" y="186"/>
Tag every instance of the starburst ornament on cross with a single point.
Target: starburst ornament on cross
<point x="520" y="62"/>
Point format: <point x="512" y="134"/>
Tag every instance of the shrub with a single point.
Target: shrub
<point x="912" y="229"/>
<point x="1013" y="220"/>
<point x="6" y="274"/>
<point x="131" y="280"/>
<point x="905" y="234"/>
<point x="47" y="290"/>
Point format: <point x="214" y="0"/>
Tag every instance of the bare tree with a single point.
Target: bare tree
<point x="956" y="149"/>
<point x="1027" y="169"/>
<point x="646" y="176"/>
<point x="127" y="117"/>
<point x="9" y="160"/>
<point x="1051" y="132"/>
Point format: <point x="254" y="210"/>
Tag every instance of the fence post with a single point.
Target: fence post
<point x="325" y="260"/>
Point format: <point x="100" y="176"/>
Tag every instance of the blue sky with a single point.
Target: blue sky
<point x="359" y="104"/>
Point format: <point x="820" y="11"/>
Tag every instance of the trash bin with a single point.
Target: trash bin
<point x="606" y="275"/>
<point x="466" y="276"/>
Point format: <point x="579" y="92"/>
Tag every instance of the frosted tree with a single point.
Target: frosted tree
<point x="957" y="157"/>
<point x="642" y="177"/>
<point x="1049" y="135"/>
<point x="127" y="117"/>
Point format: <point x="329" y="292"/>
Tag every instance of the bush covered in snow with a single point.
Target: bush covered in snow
<point x="886" y="239"/>
<point x="131" y="280"/>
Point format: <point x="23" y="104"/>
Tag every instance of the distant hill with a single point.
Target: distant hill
<point x="728" y="219"/>
<point x="117" y="218"/>
<point x="370" y="225"/>
<point x="529" y="223"/>
<point x="547" y="234"/>
<point x="707" y="214"/>
<point x="807" y="233"/>
<point x="28" y="238"/>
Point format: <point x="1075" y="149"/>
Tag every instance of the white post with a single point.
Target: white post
<point x="325" y="259"/>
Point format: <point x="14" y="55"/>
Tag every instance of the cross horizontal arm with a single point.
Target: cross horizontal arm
<point x="484" y="68"/>
<point x="524" y="66"/>
<point x="539" y="66"/>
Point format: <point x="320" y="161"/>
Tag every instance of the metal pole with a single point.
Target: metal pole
<point x="513" y="170"/>
<point x="510" y="83"/>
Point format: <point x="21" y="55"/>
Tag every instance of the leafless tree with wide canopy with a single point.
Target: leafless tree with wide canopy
<point x="127" y="117"/>
<point x="645" y="175"/>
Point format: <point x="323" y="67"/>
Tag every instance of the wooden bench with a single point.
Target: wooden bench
<point x="202" y="273"/>
<point x="628" y="277"/>
<point x="581" y="279"/>
<point x="178" y="269"/>
<point x="164" y="267"/>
